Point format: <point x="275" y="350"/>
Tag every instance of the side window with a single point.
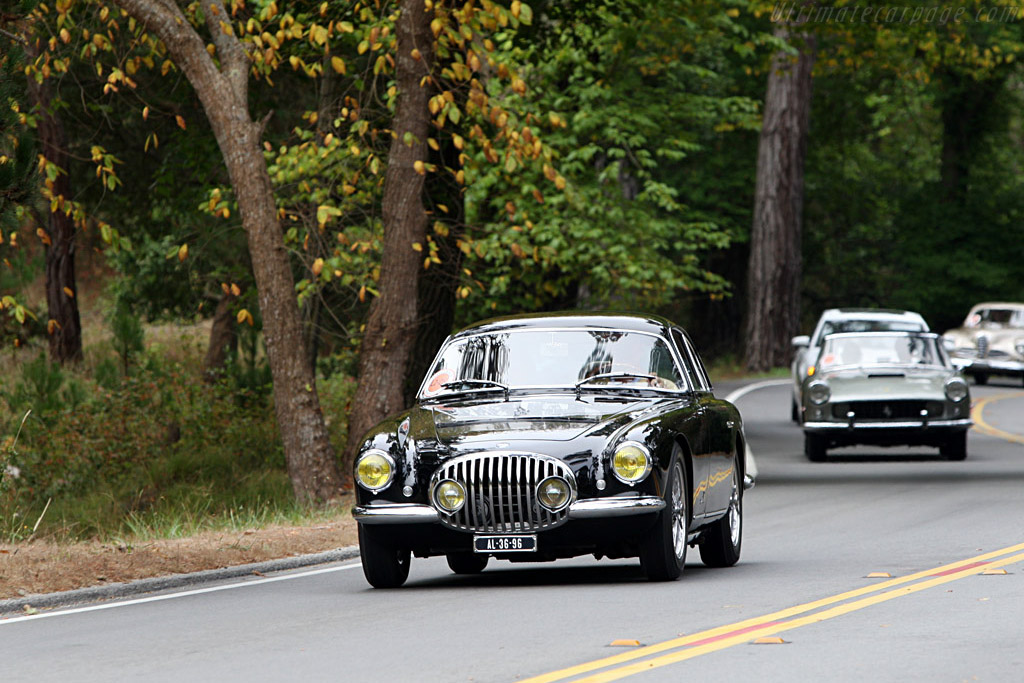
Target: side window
<point x="698" y="364"/>
<point x="692" y="376"/>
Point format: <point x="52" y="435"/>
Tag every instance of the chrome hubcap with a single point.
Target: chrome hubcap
<point x="678" y="512"/>
<point x="735" y="517"/>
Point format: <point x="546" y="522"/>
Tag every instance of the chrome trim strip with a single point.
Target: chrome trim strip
<point x="928" y="424"/>
<point x="590" y="508"/>
<point x="395" y="513"/>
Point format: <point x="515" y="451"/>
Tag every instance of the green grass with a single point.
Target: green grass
<point x="731" y="367"/>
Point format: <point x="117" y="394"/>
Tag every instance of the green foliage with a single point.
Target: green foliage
<point x="162" y="446"/>
<point x="44" y="390"/>
<point x="128" y="334"/>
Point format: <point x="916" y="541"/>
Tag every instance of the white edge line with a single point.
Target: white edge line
<point x="749" y="461"/>
<point x="181" y="594"/>
<point x="743" y="391"/>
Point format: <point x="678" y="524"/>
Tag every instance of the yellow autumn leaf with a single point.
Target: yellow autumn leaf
<point x="338" y="64"/>
<point x="181" y="121"/>
<point x="419" y="167"/>
<point x="71" y="294"/>
<point x="183" y="252"/>
<point x="235" y="289"/>
<point x="145" y="113"/>
<point x="244" y="316"/>
<point x="317" y="267"/>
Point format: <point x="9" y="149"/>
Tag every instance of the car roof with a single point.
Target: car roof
<point x="639" y="322"/>
<point x="869" y="314"/>
<point x="998" y="304"/>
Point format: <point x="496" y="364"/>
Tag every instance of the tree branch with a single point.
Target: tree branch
<point x="233" y="55"/>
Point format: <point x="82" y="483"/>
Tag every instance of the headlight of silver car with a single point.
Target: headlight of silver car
<point x="819" y="393"/>
<point x="554" y="493"/>
<point x="374" y="470"/>
<point x="1019" y="346"/>
<point x="956" y="389"/>
<point x="449" y="495"/>
<point x="631" y="462"/>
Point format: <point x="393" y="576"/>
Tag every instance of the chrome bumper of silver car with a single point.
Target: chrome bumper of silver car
<point x="972" y="365"/>
<point x="383" y="512"/>
<point x="964" y="422"/>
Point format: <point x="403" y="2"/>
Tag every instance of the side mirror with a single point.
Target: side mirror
<point x="801" y="341"/>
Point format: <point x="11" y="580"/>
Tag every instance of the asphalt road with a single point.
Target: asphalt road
<point x="814" y="534"/>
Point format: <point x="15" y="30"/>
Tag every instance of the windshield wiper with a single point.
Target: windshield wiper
<point x="615" y="375"/>
<point x="470" y="384"/>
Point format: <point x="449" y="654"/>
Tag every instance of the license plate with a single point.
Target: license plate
<point x="505" y="544"/>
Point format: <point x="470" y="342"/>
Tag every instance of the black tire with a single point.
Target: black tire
<point x="955" y="447"/>
<point x="794" y="412"/>
<point x="722" y="542"/>
<point x="467" y="563"/>
<point x="815" y="447"/>
<point x="981" y="379"/>
<point x="663" y="549"/>
<point x="384" y="564"/>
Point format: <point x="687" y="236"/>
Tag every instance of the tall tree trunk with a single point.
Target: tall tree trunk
<point x="773" y="282"/>
<point x="65" y="330"/>
<point x="223" y="336"/>
<point x="391" y="328"/>
<point x="223" y="91"/>
<point x="968" y="107"/>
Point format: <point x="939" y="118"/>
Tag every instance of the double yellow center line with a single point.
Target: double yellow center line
<point x="697" y="644"/>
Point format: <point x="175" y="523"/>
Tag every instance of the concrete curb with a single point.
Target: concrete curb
<point x="161" y="583"/>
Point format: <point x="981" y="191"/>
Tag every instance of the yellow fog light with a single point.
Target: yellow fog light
<point x="631" y="462"/>
<point x="375" y="470"/>
<point x="449" y="495"/>
<point x="554" y="493"/>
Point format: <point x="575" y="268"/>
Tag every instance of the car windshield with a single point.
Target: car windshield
<point x="552" y="358"/>
<point x="837" y="326"/>
<point x="880" y="349"/>
<point x="994" y="317"/>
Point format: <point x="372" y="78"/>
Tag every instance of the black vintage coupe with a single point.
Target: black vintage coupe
<point x="550" y="436"/>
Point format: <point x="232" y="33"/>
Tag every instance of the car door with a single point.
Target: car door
<point x="697" y="437"/>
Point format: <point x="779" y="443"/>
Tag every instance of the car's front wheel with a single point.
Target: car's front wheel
<point x="955" y="448"/>
<point x="663" y="550"/>
<point x="384" y="564"/>
<point x="721" y="543"/>
<point x="815" y="447"/>
<point x="980" y="378"/>
<point x="467" y="563"/>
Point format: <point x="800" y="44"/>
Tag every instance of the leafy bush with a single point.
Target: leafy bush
<point x="161" y="449"/>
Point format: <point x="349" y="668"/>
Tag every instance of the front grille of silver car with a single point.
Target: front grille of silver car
<point x="501" y="491"/>
<point x="982" y="346"/>
<point x="887" y="410"/>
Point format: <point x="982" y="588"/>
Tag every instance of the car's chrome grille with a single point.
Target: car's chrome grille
<point x="982" y="342"/>
<point x="887" y="410"/>
<point x="501" y="494"/>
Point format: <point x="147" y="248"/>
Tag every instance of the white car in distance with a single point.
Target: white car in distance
<point x="833" y="320"/>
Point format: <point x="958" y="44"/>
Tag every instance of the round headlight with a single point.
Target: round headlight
<point x="631" y="462"/>
<point x="1019" y="346"/>
<point x="449" y="495"/>
<point x="956" y="389"/>
<point x="554" y="493"/>
<point x="375" y="470"/>
<point x="818" y="392"/>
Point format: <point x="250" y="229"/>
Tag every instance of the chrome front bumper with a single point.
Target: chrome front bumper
<point x="385" y="512"/>
<point x="988" y="365"/>
<point x="961" y="423"/>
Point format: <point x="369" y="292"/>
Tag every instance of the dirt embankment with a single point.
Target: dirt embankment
<point x="46" y="567"/>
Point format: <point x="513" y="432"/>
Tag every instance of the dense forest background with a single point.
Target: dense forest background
<point x="574" y="154"/>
